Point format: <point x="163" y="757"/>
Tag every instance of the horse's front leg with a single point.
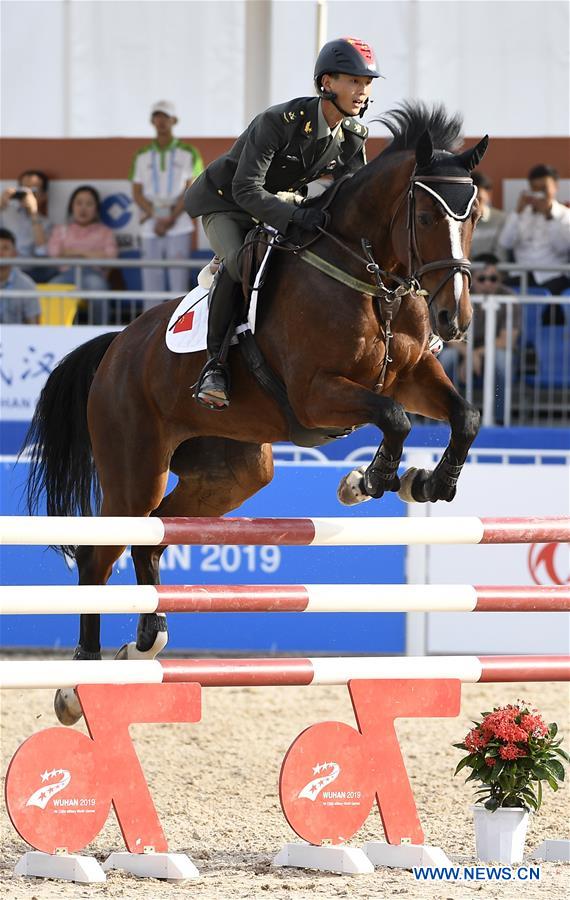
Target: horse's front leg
<point x="429" y="392"/>
<point x="339" y="402"/>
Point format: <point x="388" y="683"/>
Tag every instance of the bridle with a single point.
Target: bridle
<point x="389" y="299"/>
<point x="416" y="265"/>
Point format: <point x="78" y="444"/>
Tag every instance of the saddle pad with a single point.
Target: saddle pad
<point x="187" y="329"/>
<point x="188" y="326"/>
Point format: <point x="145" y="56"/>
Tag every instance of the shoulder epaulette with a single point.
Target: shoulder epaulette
<point x="293" y="112"/>
<point x="355" y="127"/>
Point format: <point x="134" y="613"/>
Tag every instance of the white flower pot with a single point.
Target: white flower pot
<point x="500" y="835"/>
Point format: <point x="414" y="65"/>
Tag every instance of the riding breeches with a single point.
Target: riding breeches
<point x="226" y="232"/>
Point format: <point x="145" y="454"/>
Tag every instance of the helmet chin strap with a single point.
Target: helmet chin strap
<point x="331" y="97"/>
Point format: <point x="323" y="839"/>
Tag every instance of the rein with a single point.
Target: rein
<point x="389" y="299"/>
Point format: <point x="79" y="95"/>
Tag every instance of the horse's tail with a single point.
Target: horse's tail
<point x="61" y="461"/>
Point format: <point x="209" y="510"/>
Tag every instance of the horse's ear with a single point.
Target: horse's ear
<point x="424" y="150"/>
<point x="472" y="157"/>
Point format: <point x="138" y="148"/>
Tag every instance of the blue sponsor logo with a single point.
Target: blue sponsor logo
<point x="116" y="210"/>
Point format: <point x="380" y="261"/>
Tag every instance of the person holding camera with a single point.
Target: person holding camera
<point x="538" y="232"/>
<point x="22" y="212"/>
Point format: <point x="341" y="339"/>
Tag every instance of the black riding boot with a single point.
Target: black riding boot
<point x="212" y="389"/>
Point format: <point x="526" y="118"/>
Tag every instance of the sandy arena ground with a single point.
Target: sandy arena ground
<point x="215" y="787"/>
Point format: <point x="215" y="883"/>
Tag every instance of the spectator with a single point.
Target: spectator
<point x="160" y="174"/>
<point x="15" y="310"/>
<point x="23" y="212"/>
<point x="487" y="282"/>
<point x="87" y="238"/>
<point x="490" y="225"/>
<point x="538" y="232"/>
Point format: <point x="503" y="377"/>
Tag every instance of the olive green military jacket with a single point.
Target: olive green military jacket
<point x="277" y="152"/>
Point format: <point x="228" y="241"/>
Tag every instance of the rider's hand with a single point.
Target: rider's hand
<point x="308" y="219"/>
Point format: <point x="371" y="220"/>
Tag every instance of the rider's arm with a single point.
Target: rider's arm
<point x="265" y="138"/>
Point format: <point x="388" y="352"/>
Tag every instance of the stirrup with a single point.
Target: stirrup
<point x="212" y="387"/>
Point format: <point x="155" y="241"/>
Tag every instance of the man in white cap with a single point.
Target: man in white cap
<point x="160" y="174"/>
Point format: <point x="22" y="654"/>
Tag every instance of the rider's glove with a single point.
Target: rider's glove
<point x="308" y="219"/>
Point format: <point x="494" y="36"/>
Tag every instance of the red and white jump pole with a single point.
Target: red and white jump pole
<point x="152" y="531"/>
<point x="131" y="599"/>
<point x="268" y="672"/>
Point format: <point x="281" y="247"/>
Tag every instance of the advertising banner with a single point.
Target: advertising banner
<point x="28" y="355"/>
<point x="502" y="490"/>
<point x="295" y="491"/>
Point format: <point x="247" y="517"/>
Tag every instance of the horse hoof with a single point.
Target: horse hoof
<point x="131" y="651"/>
<point x="67" y="707"/>
<point x="406" y="484"/>
<point x="351" y="488"/>
<point x="125" y="651"/>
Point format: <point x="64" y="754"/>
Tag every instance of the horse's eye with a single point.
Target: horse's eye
<point x="425" y="218"/>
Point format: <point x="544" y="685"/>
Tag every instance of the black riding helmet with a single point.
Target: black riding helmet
<point x="345" y="56"/>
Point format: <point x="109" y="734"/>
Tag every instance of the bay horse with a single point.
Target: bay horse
<point x="117" y="413"/>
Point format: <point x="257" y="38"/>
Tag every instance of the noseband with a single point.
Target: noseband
<point x="416" y="266"/>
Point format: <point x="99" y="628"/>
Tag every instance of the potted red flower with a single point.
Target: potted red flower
<point x="511" y="752"/>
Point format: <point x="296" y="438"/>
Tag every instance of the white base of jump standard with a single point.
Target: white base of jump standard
<point x="65" y="866"/>
<point x="339" y="859"/>
<point x="172" y="866"/>
<point x="553" y="851"/>
<point x="404" y="856"/>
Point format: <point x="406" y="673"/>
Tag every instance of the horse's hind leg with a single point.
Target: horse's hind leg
<point x="432" y="394"/>
<point x="216" y="475"/>
<point x="94" y="565"/>
<point x="128" y="490"/>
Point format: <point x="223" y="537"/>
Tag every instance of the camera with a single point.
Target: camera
<point x="20" y="193"/>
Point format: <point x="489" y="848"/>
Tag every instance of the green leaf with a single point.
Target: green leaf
<point x="553" y="729"/>
<point x="556" y="768"/>
<point x="466" y="761"/>
<point x="492" y="804"/>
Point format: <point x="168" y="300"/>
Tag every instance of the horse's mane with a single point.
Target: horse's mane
<point x="408" y="122"/>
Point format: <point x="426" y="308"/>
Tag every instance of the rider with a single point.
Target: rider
<point x="283" y="150"/>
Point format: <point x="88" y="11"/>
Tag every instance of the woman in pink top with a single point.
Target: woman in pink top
<point x="86" y="237"/>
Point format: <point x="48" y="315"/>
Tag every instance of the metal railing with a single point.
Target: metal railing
<point x="534" y="383"/>
<point x="119" y="306"/>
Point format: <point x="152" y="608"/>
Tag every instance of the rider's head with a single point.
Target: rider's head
<point x="343" y="74"/>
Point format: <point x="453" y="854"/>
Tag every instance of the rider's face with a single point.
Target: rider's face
<point x="351" y="91"/>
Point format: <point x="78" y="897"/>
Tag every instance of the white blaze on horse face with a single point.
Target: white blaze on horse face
<point x="457" y="253"/>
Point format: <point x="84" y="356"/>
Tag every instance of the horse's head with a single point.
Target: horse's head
<point x="433" y="207"/>
<point x="442" y="213"/>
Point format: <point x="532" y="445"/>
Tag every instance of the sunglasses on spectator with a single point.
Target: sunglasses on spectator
<point x="493" y="279"/>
